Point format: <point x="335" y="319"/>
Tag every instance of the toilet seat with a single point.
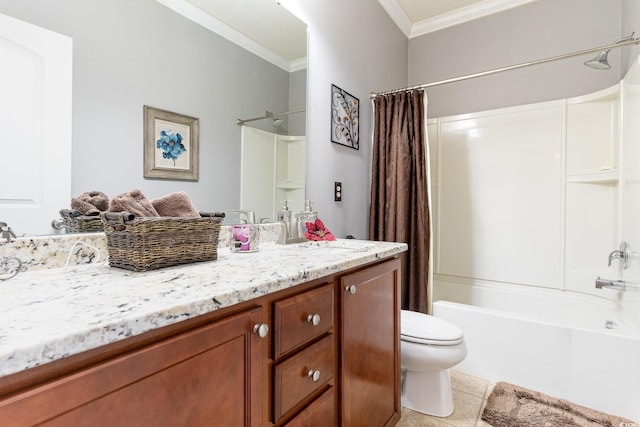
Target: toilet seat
<point x="422" y="328"/>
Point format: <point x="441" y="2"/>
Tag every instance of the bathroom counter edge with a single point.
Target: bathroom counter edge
<point x="52" y="314"/>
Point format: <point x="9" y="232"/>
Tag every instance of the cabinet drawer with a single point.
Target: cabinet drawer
<point x="320" y="413"/>
<point x="302" y="374"/>
<point x="294" y="318"/>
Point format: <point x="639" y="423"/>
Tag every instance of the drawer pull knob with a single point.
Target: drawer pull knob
<point x="351" y="289"/>
<point x="262" y="329"/>
<point x="314" y="319"/>
<point x="313" y="375"/>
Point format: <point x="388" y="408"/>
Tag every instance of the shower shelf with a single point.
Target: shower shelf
<point x="290" y="185"/>
<point x="596" y="177"/>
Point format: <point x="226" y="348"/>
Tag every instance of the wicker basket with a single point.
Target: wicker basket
<point x="149" y="243"/>
<point x="74" y="222"/>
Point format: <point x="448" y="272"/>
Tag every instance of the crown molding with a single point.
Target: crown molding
<point x="393" y="9"/>
<point x="298" y="64"/>
<point x="465" y="14"/>
<point x="202" y="18"/>
<point x="455" y="17"/>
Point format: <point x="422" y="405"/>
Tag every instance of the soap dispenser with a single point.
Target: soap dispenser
<point x="284" y="215"/>
<point x="308" y="215"/>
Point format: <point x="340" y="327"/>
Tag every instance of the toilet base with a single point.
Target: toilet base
<point x="428" y="392"/>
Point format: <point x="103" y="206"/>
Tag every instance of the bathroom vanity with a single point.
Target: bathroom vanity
<point x="295" y="335"/>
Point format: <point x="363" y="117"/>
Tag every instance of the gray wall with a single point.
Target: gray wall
<point x="537" y="30"/>
<point x="630" y="23"/>
<point x="297" y="100"/>
<point x="132" y="53"/>
<point x="354" y="45"/>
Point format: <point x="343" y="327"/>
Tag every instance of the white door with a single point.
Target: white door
<point x="35" y="122"/>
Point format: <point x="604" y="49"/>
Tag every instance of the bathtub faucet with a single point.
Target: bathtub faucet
<point x="624" y="254"/>
<point x="618" y="285"/>
<point x="617" y="255"/>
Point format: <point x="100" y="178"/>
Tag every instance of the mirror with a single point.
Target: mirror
<point x="179" y="59"/>
<point x="272" y="173"/>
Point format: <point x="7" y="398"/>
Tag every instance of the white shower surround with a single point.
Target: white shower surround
<point x="518" y="246"/>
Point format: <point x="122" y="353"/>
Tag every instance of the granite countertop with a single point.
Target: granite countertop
<point x="51" y="314"/>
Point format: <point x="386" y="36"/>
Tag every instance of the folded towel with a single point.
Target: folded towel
<point x="175" y="204"/>
<point x="90" y="203"/>
<point x="134" y="202"/>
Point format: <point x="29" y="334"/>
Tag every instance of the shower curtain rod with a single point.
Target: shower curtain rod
<point x="633" y="40"/>
<point x="267" y="115"/>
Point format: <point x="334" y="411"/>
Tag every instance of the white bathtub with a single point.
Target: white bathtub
<point x="553" y="342"/>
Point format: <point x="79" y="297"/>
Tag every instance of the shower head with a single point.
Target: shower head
<point x="600" y="62"/>
<point x="277" y="122"/>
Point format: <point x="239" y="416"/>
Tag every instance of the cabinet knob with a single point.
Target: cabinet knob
<point x="314" y="319"/>
<point x="351" y="289"/>
<point x="262" y="329"/>
<point x="313" y="375"/>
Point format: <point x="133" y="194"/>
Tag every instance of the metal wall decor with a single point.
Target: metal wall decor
<point x="345" y="118"/>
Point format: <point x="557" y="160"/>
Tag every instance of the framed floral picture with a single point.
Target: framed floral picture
<point x="170" y="145"/>
<point x="345" y="118"/>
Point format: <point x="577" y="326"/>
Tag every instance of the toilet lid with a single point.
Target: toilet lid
<point x="423" y="328"/>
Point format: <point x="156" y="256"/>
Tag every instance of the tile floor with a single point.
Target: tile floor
<point x="469" y="395"/>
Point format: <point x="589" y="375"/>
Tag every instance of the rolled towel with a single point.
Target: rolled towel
<point x="90" y="203"/>
<point x="176" y="204"/>
<point x="133" y="201"/>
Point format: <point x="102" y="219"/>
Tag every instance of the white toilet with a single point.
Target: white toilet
<point x="429" y="346"/>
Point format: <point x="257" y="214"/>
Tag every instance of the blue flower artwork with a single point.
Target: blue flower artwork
<point x="171" y="145"/>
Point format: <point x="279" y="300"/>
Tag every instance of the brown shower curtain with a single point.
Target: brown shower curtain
<point x="399" y="199"/>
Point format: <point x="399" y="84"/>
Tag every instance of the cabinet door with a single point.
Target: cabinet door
<point x="210" y="376"/>
<point x="370" y="341"/>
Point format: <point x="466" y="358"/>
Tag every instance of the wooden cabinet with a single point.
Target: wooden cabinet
<point x="300" y="376"/>
<point x="302" y="318"/>
<point x="304" y="355"/>
<point x="209" y="376"/>
<point x="370" y="346"/>
<point x="331" y="358"/>
<point x="320" y="413"/>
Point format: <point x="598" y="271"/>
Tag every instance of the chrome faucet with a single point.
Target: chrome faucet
<point x="621" y="254"/>
<point x="245" y="216"/>
<point x="289" y="233"/>
<point x="6" y="232"/>
<point x="618" y="285"/>
<point x="624" y="254"/>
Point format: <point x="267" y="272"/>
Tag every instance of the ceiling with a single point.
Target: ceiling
<point x="277" y="36"/>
